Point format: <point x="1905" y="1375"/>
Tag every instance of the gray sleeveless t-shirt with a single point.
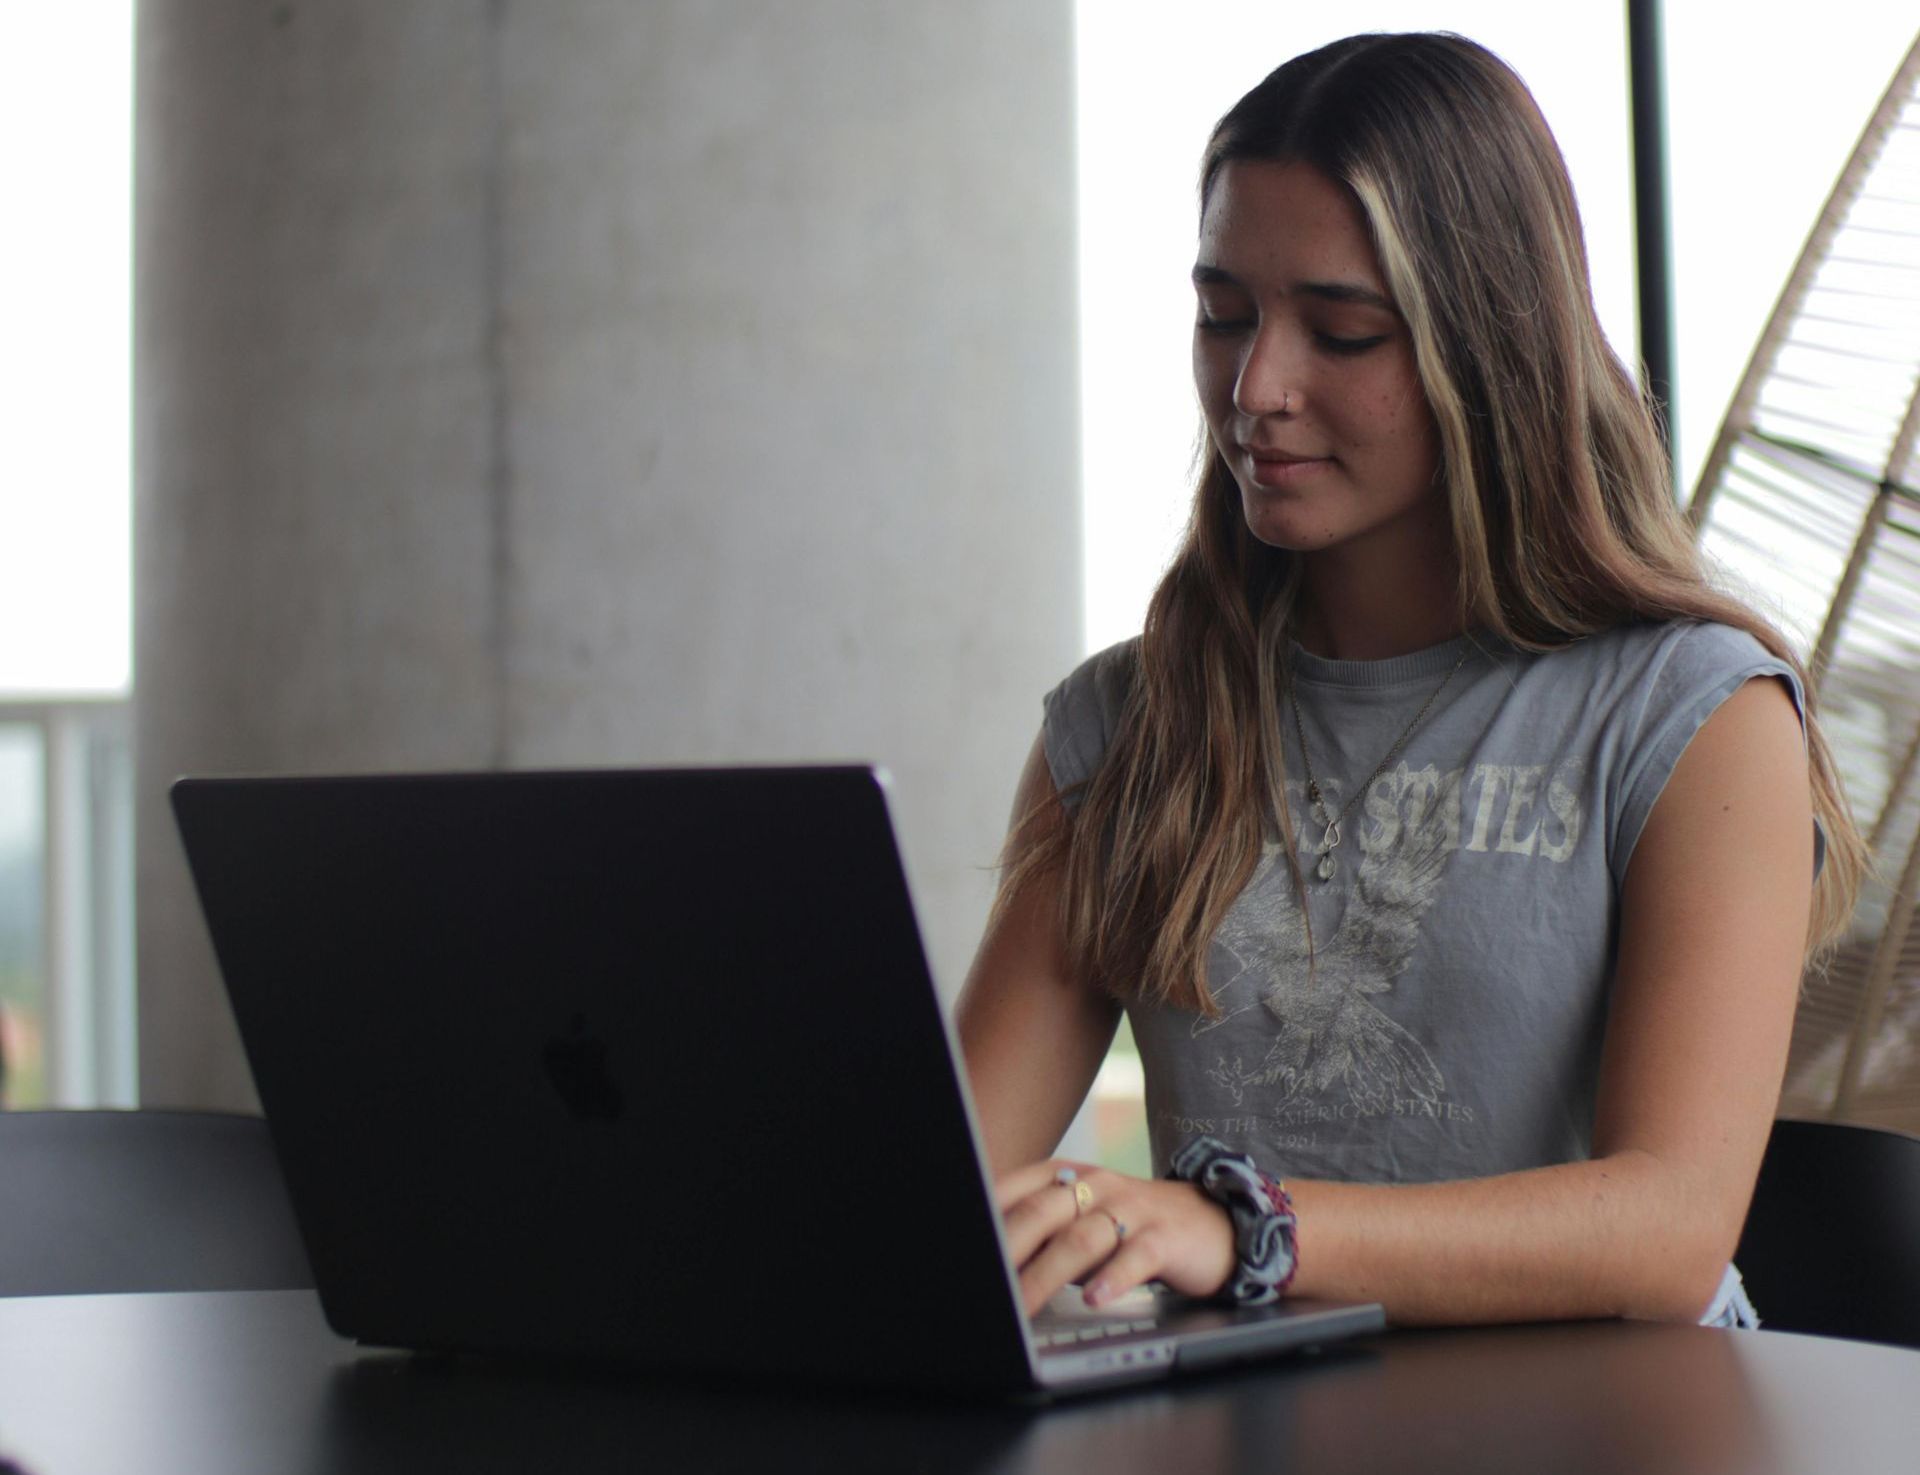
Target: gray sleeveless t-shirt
<point x="1463" y="950"/>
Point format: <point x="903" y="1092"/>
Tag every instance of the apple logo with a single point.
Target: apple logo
<point x="576" y="1064"/>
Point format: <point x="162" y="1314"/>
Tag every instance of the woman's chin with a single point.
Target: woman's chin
<point x="1290" y="534"/>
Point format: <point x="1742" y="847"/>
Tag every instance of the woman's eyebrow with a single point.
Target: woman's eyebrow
<point x="1346" y="292"/>
<point x="1205" y="275"/>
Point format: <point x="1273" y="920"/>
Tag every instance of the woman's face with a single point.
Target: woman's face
<point x="1305" y="369"/>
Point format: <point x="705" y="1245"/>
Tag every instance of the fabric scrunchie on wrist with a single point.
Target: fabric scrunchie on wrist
<point x="1262" y="1214"/>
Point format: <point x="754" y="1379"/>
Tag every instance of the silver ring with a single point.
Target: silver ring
<point x="1119" y="1229"/>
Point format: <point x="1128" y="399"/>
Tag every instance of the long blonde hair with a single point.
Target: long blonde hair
<point x="1558" y="484"/>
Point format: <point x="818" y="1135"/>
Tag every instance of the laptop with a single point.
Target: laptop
<point x="638" y="1065"/>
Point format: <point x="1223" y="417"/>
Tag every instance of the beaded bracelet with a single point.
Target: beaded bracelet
<point x="1262" y="1214"/>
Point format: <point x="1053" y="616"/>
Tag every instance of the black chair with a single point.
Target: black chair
<point x="120" y="1201"/>
<point x="1832" y="1243"/>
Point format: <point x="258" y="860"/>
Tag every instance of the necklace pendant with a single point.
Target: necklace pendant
<point x="1327" y="866"/>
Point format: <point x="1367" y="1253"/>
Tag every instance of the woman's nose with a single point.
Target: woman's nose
<point x="1266" y="384"/>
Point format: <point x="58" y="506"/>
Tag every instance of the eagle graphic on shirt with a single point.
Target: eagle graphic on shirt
<point x="1329" y="1033"/>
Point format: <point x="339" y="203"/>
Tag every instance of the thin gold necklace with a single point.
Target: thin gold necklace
<point x="1327" y="867"/>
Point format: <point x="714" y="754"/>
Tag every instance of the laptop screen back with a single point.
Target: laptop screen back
<point x="641" y="1064"/>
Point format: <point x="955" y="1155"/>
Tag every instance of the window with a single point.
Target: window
<point x="66" y="124"/>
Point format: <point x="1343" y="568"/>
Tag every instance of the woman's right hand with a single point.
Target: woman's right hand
<point x="1110" y="1233"/>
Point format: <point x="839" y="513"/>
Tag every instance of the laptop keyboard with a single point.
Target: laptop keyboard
<point x="1098" y="1332"/>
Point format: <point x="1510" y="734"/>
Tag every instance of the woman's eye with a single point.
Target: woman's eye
<point x="1333" y="343"/>
<point x="1223" y="325"/>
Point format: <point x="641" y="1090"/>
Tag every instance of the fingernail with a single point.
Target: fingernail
<point x="1095" y="1293"/>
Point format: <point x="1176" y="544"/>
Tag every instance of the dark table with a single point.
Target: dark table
<point x="197" y="1384"/>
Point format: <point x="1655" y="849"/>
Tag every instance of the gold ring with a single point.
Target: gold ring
<point x="1119" y="1229"/>
<point x="1082" y="1198"/>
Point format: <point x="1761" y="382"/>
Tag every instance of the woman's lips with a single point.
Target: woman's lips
<point x="1279" y="469"/>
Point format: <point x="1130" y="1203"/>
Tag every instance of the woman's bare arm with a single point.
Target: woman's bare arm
<point x="1033" y="1033"/>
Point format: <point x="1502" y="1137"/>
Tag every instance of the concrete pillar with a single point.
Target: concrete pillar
<point x="589" y="382"/>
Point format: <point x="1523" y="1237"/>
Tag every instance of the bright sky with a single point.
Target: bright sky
<point x="1762" y="116"/>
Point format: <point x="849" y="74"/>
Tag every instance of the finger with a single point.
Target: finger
<point x="1024" y="1182"/>
<point x="1081" y="1248"/>
<point x="1137" y="1260"/>
<point x="1038" y="1218"/>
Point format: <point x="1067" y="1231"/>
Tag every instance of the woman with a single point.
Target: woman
<point x="1510" y="1015"/>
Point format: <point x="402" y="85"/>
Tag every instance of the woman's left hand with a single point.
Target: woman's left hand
<point x="1120" y="1233"/>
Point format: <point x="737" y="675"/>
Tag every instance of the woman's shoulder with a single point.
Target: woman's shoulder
<point x="1083" y="712"/>
<point x="1106" y="675"/>
<point x="1639" y="691"/>
<point x="1653" y="686"/>
<point x="1699" y="641"/>
<point x="1671" y="656"/>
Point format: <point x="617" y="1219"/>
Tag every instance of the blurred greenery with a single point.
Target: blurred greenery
<point x="1120" y="1122"/>
<point x="1127" y="1150"/>
<point x="20" y="1035"/>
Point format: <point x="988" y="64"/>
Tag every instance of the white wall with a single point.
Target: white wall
<point x="586" y="382"/>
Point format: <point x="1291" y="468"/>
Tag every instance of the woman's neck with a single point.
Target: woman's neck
<point x="1372" y="609"/>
